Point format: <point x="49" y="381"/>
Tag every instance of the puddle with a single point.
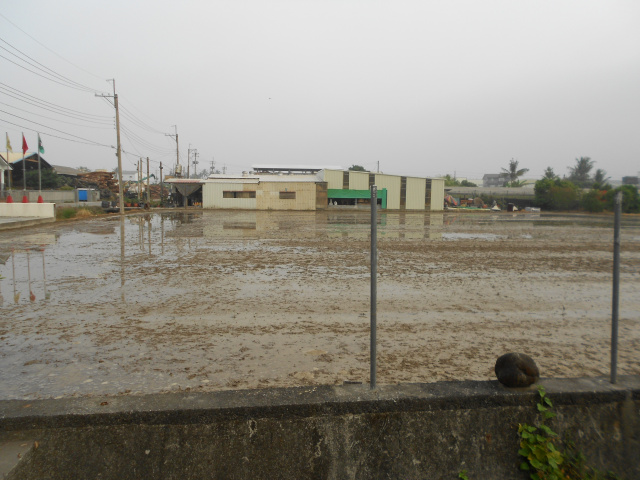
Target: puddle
<point x="159" y="302"/>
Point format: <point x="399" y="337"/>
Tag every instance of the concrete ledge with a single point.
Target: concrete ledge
<point x="8" y="223"/>
<point x="401" y="431"/>
<point x="37" y="210"/>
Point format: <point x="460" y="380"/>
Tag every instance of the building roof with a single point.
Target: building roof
<point x="217" y="178"/>
<point x="292" y="168"/>
<point x="17" y="156"/>
<point x="70" y="172"/>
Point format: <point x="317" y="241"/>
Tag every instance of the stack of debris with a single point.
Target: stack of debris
<point x="103" y="181"/>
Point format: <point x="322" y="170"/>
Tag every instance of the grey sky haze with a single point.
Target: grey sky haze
<point x="425" y="88"/>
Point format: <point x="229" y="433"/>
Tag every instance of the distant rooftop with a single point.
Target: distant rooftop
<point x="274" y="168"/>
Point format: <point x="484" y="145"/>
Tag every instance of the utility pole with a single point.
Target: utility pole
<point x="118" y="149"/>
<point x="139" y="177"/>
<point x="148" y="187"/>
<point x="188" y="159"/>
<point x="178" y="171"/>
<point x="195" y="162"/>
<point x="161" y="187"/>
<point x="213" y="166"/>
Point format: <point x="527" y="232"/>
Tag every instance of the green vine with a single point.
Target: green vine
<point x="540" y="447"/>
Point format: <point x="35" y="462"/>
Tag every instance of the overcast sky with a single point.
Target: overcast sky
<point x="425" y="88"/>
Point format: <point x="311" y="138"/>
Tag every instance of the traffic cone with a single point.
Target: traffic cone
<point x="9" y="199"/>
<point x="40" y="199"/>
<point x="25" y="199"/>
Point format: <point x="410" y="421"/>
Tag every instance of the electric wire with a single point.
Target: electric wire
<point x="55" y="53"/>
<point x="44" y="68"/>
<point x="142" y="141"/>
<point x="54" y="129"/>
<point x="57" y="119"/>
<point x="85" y="142"/>
<point x="140" y="121"/>
<point x="46" y="78"/>
<point x="98" y="122"/>
<point x="20" y="93"/>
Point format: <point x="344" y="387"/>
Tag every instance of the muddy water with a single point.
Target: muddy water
<point x="218" y="300"/>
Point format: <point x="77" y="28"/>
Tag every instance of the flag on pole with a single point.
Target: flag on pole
<point x="9" y="149"/>
<point x="40" y="147"/>
<point x="25" y="147"/>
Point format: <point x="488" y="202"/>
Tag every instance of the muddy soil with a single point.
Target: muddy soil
<point x="219" y="300"/>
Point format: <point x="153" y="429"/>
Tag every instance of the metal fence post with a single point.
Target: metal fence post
<point x="374" y="287"/>
<point x="616" y="287"/>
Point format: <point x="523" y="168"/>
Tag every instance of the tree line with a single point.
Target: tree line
<point x="581" y="190"/>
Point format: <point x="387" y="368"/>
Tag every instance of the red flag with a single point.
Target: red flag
<point x="25" y="147"/>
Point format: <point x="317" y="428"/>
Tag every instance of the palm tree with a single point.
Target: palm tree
<point x="579" y="174"/>
<point x="550" y="174"/>
<point x="600" y="180"/>
<point x="513" y="173"/>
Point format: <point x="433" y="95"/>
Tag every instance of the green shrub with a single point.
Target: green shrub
<point x="68" y="212"/>
<point x="593" y="201"/>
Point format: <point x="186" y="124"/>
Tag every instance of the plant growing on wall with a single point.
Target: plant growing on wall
<point x="543" y="453"/>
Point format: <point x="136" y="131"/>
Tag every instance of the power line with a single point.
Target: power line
<point x="43" y="68"/>
<point x="46" y="78"/>
<point x="54" y="119"/>
<point x="54" y="129"/>
<point x="98" y="122"/>
<point x="86" y="142"/>
<point x="15" y="91"/>
<point x="142" y="141"/>
<point x="55" y="53"/>
<point x="141" y="112"/>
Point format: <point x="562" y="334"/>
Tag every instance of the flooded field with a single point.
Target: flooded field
<point x="226" y="300"/>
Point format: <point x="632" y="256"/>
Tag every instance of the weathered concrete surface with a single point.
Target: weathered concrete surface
<point x="403" y="431"/>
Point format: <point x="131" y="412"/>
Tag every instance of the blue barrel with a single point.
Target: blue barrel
<point x="83" y="195"/>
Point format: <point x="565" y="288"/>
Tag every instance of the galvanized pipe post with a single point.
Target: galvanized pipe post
<point x="616" y="287"/>
<point x="374" y="286"/>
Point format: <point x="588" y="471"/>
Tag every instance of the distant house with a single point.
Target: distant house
<point x="494" y="179"/>
<point x="4" y="171"/>
<point x="129" y="176"/>
<point x="631" y="181"/>
<point x="16" y="162"/>
<point x="66" y="171"/>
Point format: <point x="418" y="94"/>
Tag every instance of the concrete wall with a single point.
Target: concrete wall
<point x="358" y="181"/>
<point x="333" y="178"/>
<point x="38" y="210"/>
<point x="392" y="184"/>
<point x="437" y="194"/>
<point x="412" y="431"/>
<point x="269" y="196"/>
<point x="416" y="188"/>
<point x="49" y="196"/>
<point x="213" y="195"/>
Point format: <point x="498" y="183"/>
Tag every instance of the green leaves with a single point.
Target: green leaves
<point x="537" y="446"/>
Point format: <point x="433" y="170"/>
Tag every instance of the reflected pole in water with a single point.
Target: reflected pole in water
<point x="16" y="295"/>
<point x="374" y="286"/>
<point x="122" y="258"/>
<point x="162" y="233"/>
<point x="47" y="295"/>
<point x="616" y="287"/>
<point x="32" y="296"/>
<point x="149" y="233"/>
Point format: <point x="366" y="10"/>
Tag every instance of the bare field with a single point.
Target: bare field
<point x="220" y="300"/>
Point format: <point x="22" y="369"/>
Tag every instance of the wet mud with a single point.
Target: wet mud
<point x="220" y="300"/>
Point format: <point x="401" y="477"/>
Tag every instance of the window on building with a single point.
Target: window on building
<point x="232" y="194"/>
<point x="287" y="195"/>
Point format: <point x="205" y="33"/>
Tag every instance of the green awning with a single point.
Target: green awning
<point x="343" y="193"/>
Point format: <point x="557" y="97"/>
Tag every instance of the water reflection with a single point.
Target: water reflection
<point x="30" y="284"/>
<point x="79" y="263"/>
